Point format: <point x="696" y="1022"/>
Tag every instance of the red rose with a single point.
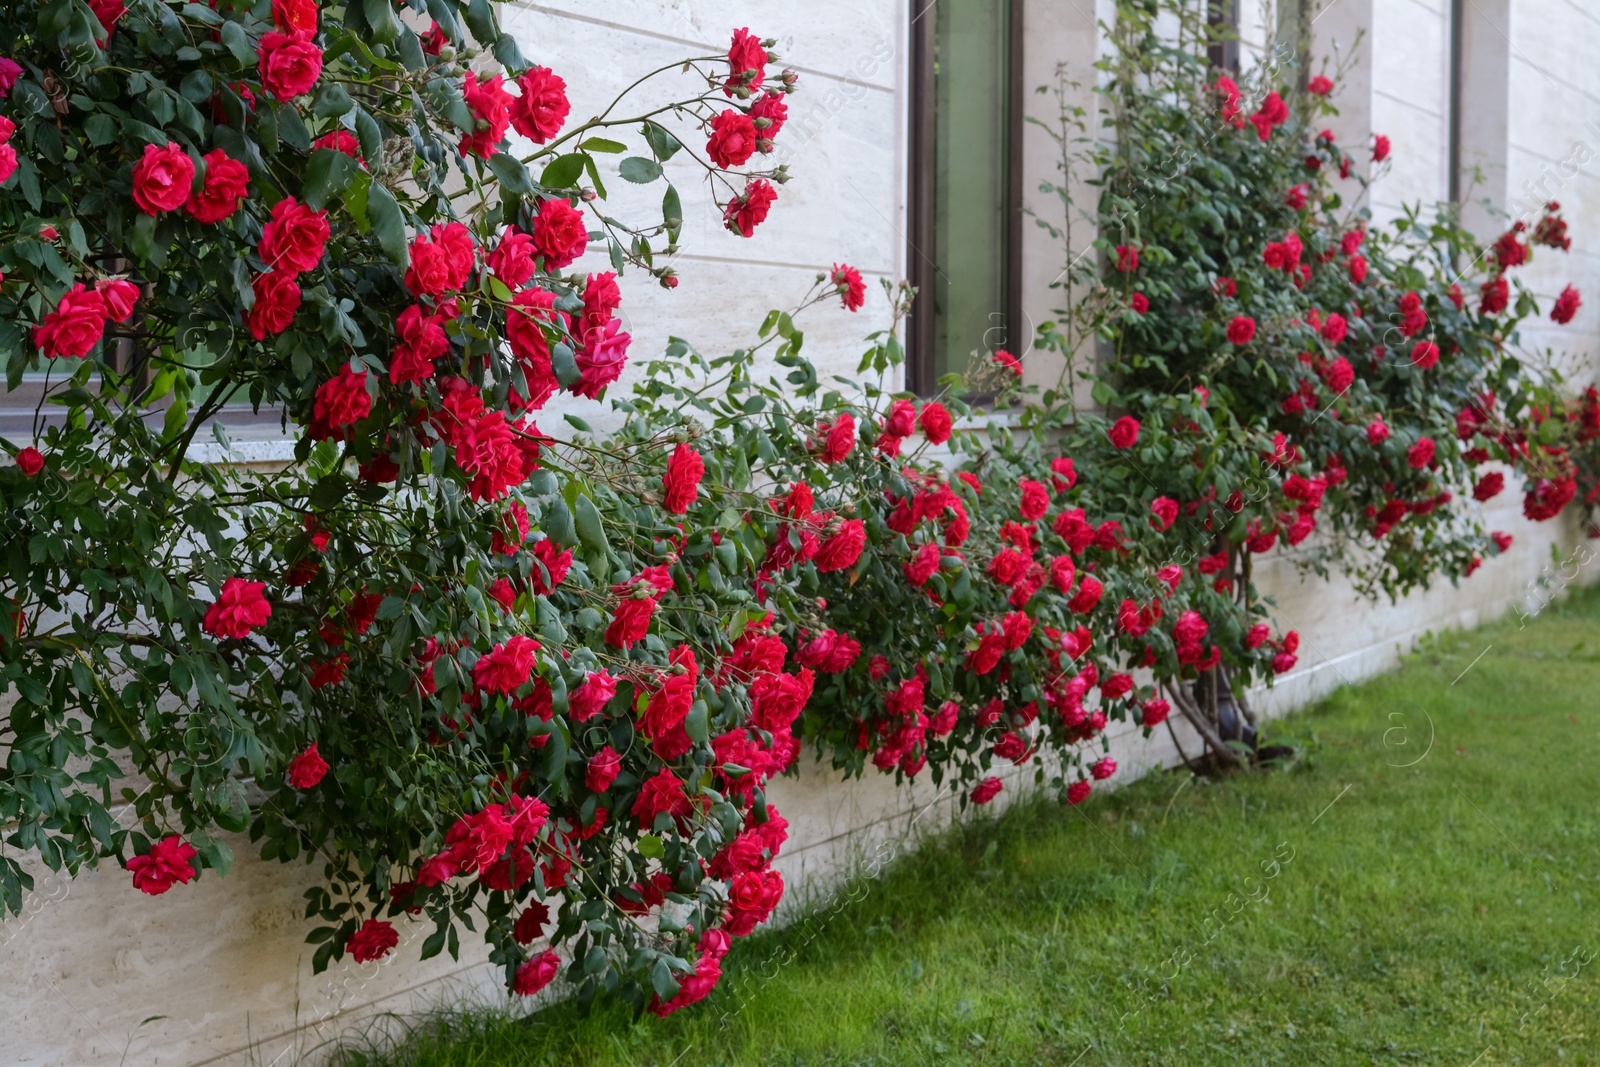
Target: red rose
<point x="1489" y="486"/>
<point x="490" y="105"/>
<point x="1089" y="592"/>
<point x="428" y="269"/>
<point x="935" y="422"/>
<point x="1566" y="306"/>
<point x="1078" y="792"/>
<point x="166" y="864"/>
<point x="162" y="178"/>
<point x="1358" y="269"/>
<point x="295" y="238"/>
<point x="291" y="15"/>
<point x="238" y="609"/>
<point x="1380" y="148"/>
<point x="559" y="234"/>
<point x="1127" y="258"/>
<point x="769" y="113"/>
<point x="1140" y="303"/>
<point x="531" y="923"/>
<point x="109" y="13"/>
<point x="119" y="296"/>
<point x="529" y="312"/>
<point x="1320" y="86"/>
<point x="1241" y="329"/>
<point x="329" y="672"/>
<point x="602" y="357"/>
<point x="682" y="480"/>
<point x="8" y="161"/>
<point x="630" y="621"/>
<point x="842" y="549"/>
<point x="504" y="668"/>
<point x="1035" y="499"/>
<point x="1273" y="112"/>
<point x="341" y="400"/>
<point x="30" y="461"/>
<point x="536" y="974"/>
<point x="1124" y="432"/>
<point x="661" y="794"/>
<point x="601" y="298"/>
<point x="851" y="288"/>
<point x="733" y="139"/>
<point x="902" y="418"/>
<point x="419" y="340"/>
<point x="1104" y="769"/>
<point x="307" y="769"/>
<point x="986" y="791"/>
<point x="277" y="300"/>
<point x="540" y="112"/>
<point x="603" y="769"/>
<point x="1425" y="354"/>
<point x="923" y="565"/>
<point x="747" y="63"/>
<point x="1377" y="433"/>
<point x="838" y="438"/>
<point x="1155" y="712"/>
<point x="745" y="212"/>
<point x="1333" y="331"/>
<point x="226" y="183"/>
<point x="373" y="941"/>
<point x="1339" y="375"/>
<point x="1495" y="293"/>
<point x="1163" y="512"/>
<point x="289" y="64"/>
<point x="512" y="259"/>
<point x="1421" y="453"/>
<point x="552" y="564"/>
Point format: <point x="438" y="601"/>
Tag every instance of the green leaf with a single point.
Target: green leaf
<point x="565" y="367"/>
<point x="563" y="172"/>
<point x="101" y="129"/>
<point x="661" y="142"/>
<point x="601" y="144"/>
<point x="639" y="170"/>
<point x="142" y="242"/>
<point x="381" y="17"/>
<point x="327" y="175"/>
<point x="388" y="224"/>
<point x="591" y="531"/>
<point x="370" y="135"/>
<point x="672" y="214"/>
<point x="235" y="40"/>
<point x="512" y="174"/>
<point x="650" y="846"/>
<point x="332" y="102"/>
<point x="558" y="524"/>
<point x="698" y="724"/>
<point x="480" y="22"/>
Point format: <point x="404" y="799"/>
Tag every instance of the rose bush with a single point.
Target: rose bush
<point x="1322" y="383"/>
<point x="534" y="688"/>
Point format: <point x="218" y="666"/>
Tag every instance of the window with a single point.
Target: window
<point x="966" y="222"/>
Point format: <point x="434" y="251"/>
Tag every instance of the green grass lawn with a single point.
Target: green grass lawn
<point x="1442" y="912"/>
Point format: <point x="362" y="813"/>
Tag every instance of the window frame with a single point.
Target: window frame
<point x="922" y="372"/>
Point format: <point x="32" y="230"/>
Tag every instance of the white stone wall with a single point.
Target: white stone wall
<point x="222" y="961"/>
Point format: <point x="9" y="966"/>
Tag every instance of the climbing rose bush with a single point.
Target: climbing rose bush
<point x="485" y="679"/>
<point x="463" y="669"/>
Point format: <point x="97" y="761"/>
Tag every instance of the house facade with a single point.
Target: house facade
<point x="910" y="158"/>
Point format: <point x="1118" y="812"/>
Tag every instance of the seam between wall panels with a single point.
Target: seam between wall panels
<point x="637" y="31"/>
<point x="340" y="1015"/>
<point x="1409" y="105"/>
